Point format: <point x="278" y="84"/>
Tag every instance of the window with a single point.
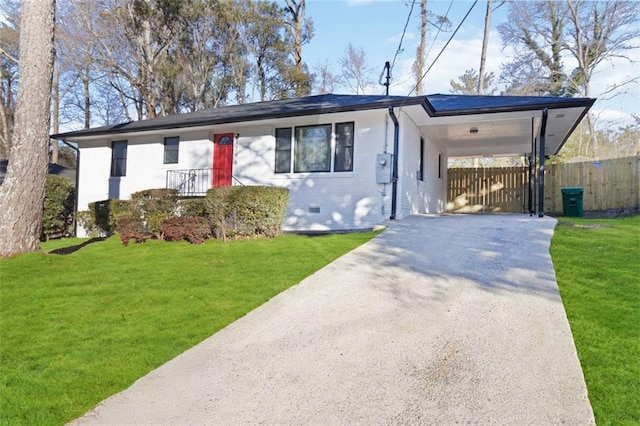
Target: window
<point x="283" y="150"/>
<point x="344" y="148"/>
<point x="312" y="149"/>
<point x="171" y="146"/>
<point x="421" y="164"/>
<point x="119" y="158"/>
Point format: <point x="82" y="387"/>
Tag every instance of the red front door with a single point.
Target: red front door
<point x="222" y="159"/>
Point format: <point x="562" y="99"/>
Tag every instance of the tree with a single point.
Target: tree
<point x="22" y="193"/>
<point x="582" y="34"/>
<point x="436" y="21"/>
<point x="468" y="84"/>
<point x="300" y="29"/>
<point x="599" y="32"/>
<point x="325" y="80"/>
<point x="482" y="83"/>
<point x="535" y="29"/>
<point x="418" y="65"/>
<point x="356" y="75"/>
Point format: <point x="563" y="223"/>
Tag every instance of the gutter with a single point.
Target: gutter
<point x="394" y="179"/>
<point x="77" y="194"/>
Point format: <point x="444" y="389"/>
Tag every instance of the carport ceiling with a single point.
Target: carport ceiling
<point x="496" y="125"/>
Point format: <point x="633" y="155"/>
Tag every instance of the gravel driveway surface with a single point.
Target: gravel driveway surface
<point x="438" y="320"/>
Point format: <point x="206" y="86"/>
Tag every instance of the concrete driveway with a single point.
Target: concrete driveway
<point x="438" y="320"/>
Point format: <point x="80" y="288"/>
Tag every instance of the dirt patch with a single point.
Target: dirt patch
<point x="579" y="225"/>
<point x="612" y="213"/>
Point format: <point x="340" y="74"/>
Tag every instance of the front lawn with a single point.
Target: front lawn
<point x="77" y="328"/>
<point x="597" y="265"/>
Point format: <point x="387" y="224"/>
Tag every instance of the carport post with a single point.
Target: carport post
<point x="543" y="130"/>
<point x="531" y="169"/>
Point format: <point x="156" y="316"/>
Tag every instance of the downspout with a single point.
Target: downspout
<point x="75" y="200"/>
<point x="543" y="131"/>
<point x="394" y="177"/>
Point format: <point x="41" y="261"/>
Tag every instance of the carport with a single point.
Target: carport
<point x="482" y="126"/>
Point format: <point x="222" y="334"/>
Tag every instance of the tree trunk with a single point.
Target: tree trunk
<point x="419" y="64"/>
<point x="87" y="99"/>
<point x="485" y="43"/>
<point x="55" y="113"/>
<point x="22" y="193"/>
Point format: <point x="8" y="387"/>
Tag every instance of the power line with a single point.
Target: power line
<point x="443" y="48"/>
<point x="446" y="18"/>
<point x="404" y="31"/>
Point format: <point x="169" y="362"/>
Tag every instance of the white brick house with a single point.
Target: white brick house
<point x="349" y="161"/>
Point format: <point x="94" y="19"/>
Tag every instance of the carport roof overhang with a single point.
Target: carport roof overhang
<point x="497" y="125"/>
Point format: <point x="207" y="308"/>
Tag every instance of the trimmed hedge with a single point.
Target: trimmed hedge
<point x="102" y="216"/>
<point x="244" y="211"/>
<point x="153" y="206"/>
<point x="247" y="210"/>
<point x="192" y="207"/>
<point x="57" y="216"/>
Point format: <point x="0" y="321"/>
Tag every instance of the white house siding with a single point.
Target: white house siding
<point x="321" y="201"/>
<point x="145" y="168"/>
<point x="345" y="200"/>
<point x="419" y="196"/>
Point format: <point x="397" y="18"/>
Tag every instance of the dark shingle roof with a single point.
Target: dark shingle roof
<point x="435" y="105"/>
<point x="444" y="105"/>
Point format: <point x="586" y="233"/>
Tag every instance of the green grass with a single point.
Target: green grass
<point x="597" y="265"/>
<point x="76" y="329"/>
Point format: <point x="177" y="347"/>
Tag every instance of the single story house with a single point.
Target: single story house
<point x="349" y="161"/>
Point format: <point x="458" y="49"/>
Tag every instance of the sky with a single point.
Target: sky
<point x="377" y="25"/>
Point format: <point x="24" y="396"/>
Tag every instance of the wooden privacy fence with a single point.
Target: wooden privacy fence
<point x="485" y="190"/>
<point x="608" y="184"/>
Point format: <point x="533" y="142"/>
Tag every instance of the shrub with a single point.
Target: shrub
<point x="260" y="210"/>
<point x="86" y="219"/>
<point x="105" y="215"/>
<point x="154" y="206"/>
<point x="190" y="228"/>
<point x="246" y="210"/>
<point x="192" y="207"/>
<point x="217" y="207"/>
<point x="131" y="227"/>
<point x="58" y="207"/>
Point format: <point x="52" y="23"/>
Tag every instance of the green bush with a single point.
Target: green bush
<point x="57" y="216"/>
<point x="217" y="208"/>
<point x="194" y="207"/>
<point x="247" y="210"/>
<point x="102" y="217"/>
<point x="153" y="206"/>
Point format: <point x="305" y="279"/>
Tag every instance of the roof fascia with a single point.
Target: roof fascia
<point x="576" y="103"/>
<point x="241" y="119"/>
<point x="577" y="122"/>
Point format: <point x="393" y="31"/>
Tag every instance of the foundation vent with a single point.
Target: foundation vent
<point x="314" y="209"/>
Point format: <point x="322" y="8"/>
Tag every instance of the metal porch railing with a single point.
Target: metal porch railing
<point x="194" y="182"/>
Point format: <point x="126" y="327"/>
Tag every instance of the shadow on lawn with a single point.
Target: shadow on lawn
<point x="73" y="249"/>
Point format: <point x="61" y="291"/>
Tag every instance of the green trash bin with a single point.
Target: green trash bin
<point x="572" y="201"/>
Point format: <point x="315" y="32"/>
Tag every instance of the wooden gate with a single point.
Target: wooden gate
<point x="487" y="190"/>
